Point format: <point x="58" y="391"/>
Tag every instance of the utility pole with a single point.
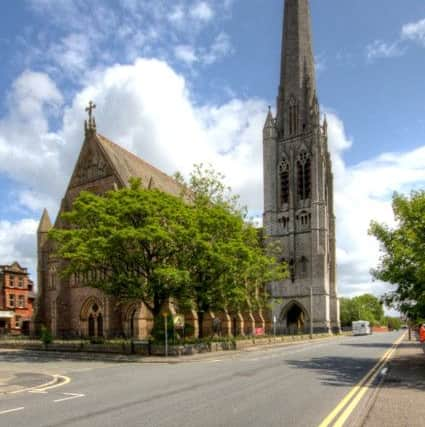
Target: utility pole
<point x="311" y="312"/>
<point x="166" y="333"/>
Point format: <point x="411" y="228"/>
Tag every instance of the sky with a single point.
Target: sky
<point x="180" y="82"/>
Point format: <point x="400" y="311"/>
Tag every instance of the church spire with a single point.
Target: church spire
<point x="297" y="80"/>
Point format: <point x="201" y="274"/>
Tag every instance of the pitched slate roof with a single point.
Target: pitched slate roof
<point x="128" y="165"/>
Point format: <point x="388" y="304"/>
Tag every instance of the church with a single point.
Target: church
<point x="298" y="186"/>
<point x="298" y="214"/>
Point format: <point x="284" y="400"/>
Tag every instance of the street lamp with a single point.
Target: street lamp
<point x="166" y="333"/>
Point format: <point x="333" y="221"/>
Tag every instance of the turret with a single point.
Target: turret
<point x="269" y="163"/>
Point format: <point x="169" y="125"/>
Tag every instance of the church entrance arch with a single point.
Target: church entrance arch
<point x="294" y="316"/>
<point x="91" y="318"/>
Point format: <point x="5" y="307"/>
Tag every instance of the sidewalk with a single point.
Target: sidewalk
<point x="401" y="399"/>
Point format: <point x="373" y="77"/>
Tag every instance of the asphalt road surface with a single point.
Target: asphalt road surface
<point x="297" y="385"/>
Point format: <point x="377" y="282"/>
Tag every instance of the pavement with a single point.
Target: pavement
<point x="400" y="398"/>
<point x="297" y="385"/>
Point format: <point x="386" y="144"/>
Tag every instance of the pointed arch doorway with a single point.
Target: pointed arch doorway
<point x="295" y="317"/>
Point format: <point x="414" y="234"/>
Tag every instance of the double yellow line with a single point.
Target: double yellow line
<point x="354" y="397"/>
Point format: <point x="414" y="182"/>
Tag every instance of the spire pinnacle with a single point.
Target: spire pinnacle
<point x="45" y="224"/>
<point x="297" y="79"/>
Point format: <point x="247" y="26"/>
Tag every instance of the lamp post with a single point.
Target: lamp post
<point x="311" y="312"/>
<point x="166" y="333"/>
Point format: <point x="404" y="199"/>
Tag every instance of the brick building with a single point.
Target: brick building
<point x="16" y="300"/>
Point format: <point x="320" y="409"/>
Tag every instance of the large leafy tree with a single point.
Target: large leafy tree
<point x="403" y="254"/>
<point x="228" y="267"/>
<point x="363" y="307"/>
<point x="128" y="243"/>
<point x="197" y="249"/>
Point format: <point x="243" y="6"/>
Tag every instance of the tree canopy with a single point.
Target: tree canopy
<point x="196" y="250"/>
<point x="363" y="307"/>
<point x="402" y="260"/>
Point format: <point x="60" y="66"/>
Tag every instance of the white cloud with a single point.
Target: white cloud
<point x="202" y="11"/>
<point x="363" y="193"/>
<point x="414" y="31"/>
<point x="379" y="49"/>
<point x="186" y="54"/>
<point x="220" y="48"/>
<point x="17" y="243"/>
<point x="147" y="107"/>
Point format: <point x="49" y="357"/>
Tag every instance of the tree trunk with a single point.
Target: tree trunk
<point x="201" y="323"/>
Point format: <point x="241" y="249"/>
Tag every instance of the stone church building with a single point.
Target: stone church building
<point x="64" y="306"/>
<point x="298" y="213"/>
<point x="298" y="186"/>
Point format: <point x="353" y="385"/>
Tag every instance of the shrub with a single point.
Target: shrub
<point x="46" y="336"/>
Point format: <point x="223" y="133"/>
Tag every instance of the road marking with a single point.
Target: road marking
<point x="65" y="380"/>
<point x="357" y="392"/>
<point x="53" y="381"/>
<point x="8" y="411"/>
<point x="71" y="396"/>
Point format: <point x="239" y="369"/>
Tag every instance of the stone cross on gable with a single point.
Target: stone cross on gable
<point x="90" y="109"/>
<point x="90" y="124"/>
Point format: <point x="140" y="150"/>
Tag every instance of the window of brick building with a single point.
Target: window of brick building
<point x="21" y="301"/>
<point x="20" y="282"/>
<point x="11" y="300"/>
<point x="11" y="281"/>
<point x="18" y="322"/>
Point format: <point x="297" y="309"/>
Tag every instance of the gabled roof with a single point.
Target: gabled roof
<point x="127" y="165"/>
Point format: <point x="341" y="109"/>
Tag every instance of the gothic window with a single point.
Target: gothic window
<point x="95" y="321"/>
<point x="284" y="182"/>
<point x="293" y="116"/>
<point x="304" y="176"/>
<point x="284" y="223"/>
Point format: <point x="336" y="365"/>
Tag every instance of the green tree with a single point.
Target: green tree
<point x="369" y="308"/>
<point x="228" y="265"/>
<point x="363" y="307"/>
<point x="348" y="311"/>
<point x="128" y="244"/>
<point x="402" y="261"/>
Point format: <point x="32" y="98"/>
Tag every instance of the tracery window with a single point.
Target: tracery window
<point x="304" y="176"/>
<point x="293" y="116"/>
<point x="284" y="182"/>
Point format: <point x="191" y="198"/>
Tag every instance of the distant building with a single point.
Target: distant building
<point x="16" y="300"/>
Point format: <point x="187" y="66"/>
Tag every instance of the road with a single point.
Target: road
<point x="297" y="385"/>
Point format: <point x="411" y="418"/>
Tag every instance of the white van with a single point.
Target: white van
<point x="361" y="327"/>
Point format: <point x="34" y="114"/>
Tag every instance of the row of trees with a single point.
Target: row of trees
<point x="363" y="307"/>
<point x="196" y="250"/>
<point x="403" y="255"/>
<point x="366" y="307"/>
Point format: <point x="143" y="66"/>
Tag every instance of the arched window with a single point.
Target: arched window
<point x="284" y="182"/>
<point x="92" y="313"/>
<point x="304" y="176"/>
<point x="293" y="116"/>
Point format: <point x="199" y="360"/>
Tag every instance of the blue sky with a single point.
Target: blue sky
<point x="196" y="76"/>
